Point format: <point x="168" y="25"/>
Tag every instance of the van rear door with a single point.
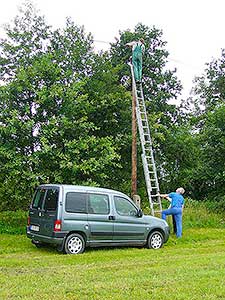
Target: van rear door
<point x="35" y="210"/>
<point x="49" y="211"/>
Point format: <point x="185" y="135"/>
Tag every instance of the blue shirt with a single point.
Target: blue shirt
<point x="177" y="200"/>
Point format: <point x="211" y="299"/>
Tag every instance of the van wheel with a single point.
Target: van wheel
<point x="74" y="244"/>
<point x="155" y="240"/>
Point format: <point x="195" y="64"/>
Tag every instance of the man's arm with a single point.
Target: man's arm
<point x="131" y="44"/>
<point x="164" y="195"/>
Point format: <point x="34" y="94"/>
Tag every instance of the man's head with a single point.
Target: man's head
<point x="142" y="40"/>
<point x="180" y="191"/>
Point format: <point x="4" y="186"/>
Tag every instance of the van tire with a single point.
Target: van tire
<point x="74" y="244"/>
<point x="155" y="240"/>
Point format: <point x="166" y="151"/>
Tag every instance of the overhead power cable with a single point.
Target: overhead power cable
<point x="170" y="59"/>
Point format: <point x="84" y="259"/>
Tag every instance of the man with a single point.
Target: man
<point x="138" y="49"/>
<point x="175" y="209"/>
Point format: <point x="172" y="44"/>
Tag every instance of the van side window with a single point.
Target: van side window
<point x="98" y="204"/>
<point x="51" y="200"/>
<point x="76" y="202"/>
<point x="124" y="207"/>
<point x="38" y="198"/>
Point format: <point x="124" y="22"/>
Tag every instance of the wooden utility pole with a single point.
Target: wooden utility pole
<point x="134" y="146"/>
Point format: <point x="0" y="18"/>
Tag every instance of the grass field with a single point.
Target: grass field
<point x="190" y="268"/>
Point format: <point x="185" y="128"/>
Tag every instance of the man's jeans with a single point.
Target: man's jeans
<point x="177" y="213"/>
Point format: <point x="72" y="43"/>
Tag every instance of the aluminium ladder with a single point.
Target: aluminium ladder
<point x="151" y="179"/>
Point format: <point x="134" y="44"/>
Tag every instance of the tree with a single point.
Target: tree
<point x="51" y="127"/>
<point x="208" y="126"/>
<point x="19" y="51"/>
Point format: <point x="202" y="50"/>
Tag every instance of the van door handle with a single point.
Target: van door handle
<point x="112" y="217"/>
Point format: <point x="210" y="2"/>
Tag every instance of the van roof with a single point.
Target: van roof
<point x="83" y="188"/>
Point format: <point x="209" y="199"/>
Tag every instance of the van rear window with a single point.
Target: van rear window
<point x="76" y="202"/>
<point x="51" y="200"/>
<point x="38" y="198"/>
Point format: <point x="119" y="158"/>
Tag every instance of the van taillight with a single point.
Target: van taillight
<point x="28" y="221"/>
<point x="58" y="225"/>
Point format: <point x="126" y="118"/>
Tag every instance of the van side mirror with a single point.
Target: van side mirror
<point x="139" y="213"/>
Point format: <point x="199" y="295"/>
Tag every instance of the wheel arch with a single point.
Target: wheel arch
<point x="78" y="232"/>
<point x="61" y="248"/>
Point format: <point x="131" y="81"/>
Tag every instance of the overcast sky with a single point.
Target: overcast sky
<point x="193" y="29"/>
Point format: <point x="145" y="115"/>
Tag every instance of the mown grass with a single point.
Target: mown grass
<point x="190" y="268"/>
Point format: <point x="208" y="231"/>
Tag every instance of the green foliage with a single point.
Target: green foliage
<point x="217" y="204"/>
<point x="209" y="89"/>
<point x="51" y="114"/>
<point x="13" y="222"/>
<point x="179" y="159"/>
<point x="200" y="215"/>
<point x="207" y="121"/>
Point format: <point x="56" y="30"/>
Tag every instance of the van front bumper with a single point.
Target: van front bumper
<point x="56" y="238"/>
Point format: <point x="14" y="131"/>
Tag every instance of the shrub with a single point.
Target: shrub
<point x="13" y="222"/>
<point x="198" y="214"/>
<point x="217" y="204"/>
